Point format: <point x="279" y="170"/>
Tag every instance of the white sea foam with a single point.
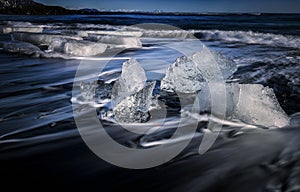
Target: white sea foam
<point x="168" y="33"/>
<point x="250" y="37"/>
<point x="245" y="37"/>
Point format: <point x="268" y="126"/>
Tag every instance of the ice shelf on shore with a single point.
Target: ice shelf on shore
<point x="189" y="73"/>
<point x="131" y="95"/>
<point x="250" y="103"/>
<point x="76" y="47"/>
<point x="19" y="47"/>
<point x="41" y="38"/>
<point x="117" y="41"/>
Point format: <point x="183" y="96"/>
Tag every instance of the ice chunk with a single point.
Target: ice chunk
<point x="188" y="74"/>
<point x="40" y="38"/>
<point x="76" y="48"/>
<point x="251" y="103"/>
<point x="83" y="48"/>
<point x="20" y="27"/>
<point x="119" y="33"/>
<point x="258" y="105"/>
<point x="18" y="23"/>
<point x="183" y="76"/>
<point x="132" y="80"/>
<point x="117" y="40"/>
<point x="131" y="95"/>
<point x="6" y="29"/>
<point x="135" y="108"/>
<point x="20" y="47"/>
<point x="95" y="91"/>
<point x="227" y="66"/>
<point x="32" y="29"/>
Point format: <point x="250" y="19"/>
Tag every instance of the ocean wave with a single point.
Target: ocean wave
<point x="244" y="37"/>
<point x="250" y="37"/>
<point x="122" y="37"/>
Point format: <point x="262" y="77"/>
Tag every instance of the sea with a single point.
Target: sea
<point x="45" y="123"/>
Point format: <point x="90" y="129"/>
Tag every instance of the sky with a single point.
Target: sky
<point x="269" y="6"/>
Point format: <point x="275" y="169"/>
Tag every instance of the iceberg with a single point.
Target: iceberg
<point x="250" y="103"/>
<point x="19" y="47"/>
<point x="40" y="38"/>
<point x="189" y="74"/>
<point x="117" y="41"/>
<point x="76" y="47"/>
<point x="135" y="108"/>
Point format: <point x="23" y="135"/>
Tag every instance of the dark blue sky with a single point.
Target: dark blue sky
<point x="281" y="6"/>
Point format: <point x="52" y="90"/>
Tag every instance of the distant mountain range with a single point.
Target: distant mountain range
<point x="29" y="7"/>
